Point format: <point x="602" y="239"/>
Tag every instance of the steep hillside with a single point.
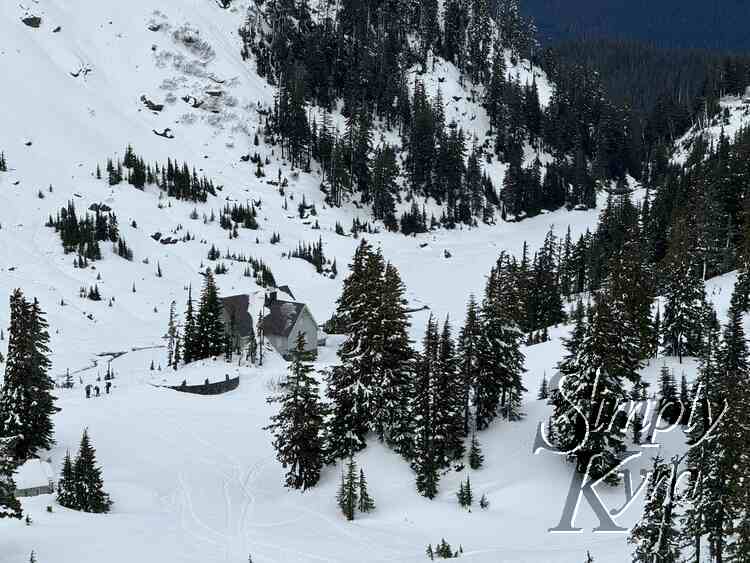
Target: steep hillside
<point x="194" y="478"/>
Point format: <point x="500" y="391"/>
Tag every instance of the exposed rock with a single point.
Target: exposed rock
<point x="32" y="21"/>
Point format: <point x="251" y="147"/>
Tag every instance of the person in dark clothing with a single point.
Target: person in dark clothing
<point x="88" y="391"/>
<point x="108" y="386"/>
<point x="97" y="391"/>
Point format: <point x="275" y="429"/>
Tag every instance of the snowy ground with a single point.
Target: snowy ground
<point x="194" y="478"/>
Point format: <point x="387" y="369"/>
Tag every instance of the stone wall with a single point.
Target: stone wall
<point x="215" y="388"/>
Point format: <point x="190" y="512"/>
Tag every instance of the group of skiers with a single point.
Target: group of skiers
<point x="97" y="390"/>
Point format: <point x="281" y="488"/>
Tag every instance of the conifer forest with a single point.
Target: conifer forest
<point x="374" y="280"/>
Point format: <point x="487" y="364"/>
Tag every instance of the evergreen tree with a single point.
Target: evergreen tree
<point x="365" y="502"/>
<point x="297" y="427"/>
<point x="449" y="407"/>
<point x="668" y="399"/>
<point x="499" y="381"/>
<point x="210" y="335"/>
<point x="427" y="460"/>
<point x="171" y="335"/>
<point x="190" y="342"/>
<point x="43" y="402"/>
<point x="90" y="495"/>
<point x="684" y="293"/>
<point x="468" y="349"/>
<point x="727" y="516"/>
<point x="655" y="536"/>
<point x="26" y="402"/>
<point x="465" y="495"/>
<point x="706" y="485"/>
<point x="476" y="459"/>
<point x="484" y="502"/>
<point x="543" y="389"/>
<point x="372" y="388"/>
<point x="590" y="390"/>
<point x="9" y="505"/>
<point x="350" y="384"/>
<point x="66" y="486"/>
<point x="348" y="490"/>
<point x="394" y="365"/>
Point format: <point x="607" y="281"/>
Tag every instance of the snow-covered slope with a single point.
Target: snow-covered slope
<point x="733" y="117"/>
<point x="194" y="478"/>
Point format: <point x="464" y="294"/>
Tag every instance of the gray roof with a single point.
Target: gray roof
<point x="236" y="305"/>
<point x="281" y="317"/>
<point x="285" y="289"/>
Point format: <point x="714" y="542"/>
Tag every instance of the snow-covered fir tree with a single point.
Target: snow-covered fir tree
<point x="656" y="535"/>
<point x="449" y="423"/>
<point x="66" y="485"/>
<point x="297" y="428"/>
<point x="476" y="459"/>
<point x="465" y="495"/>
<point x="26" y="400"/>
<point x="210" y="334"/>
<point x="499" y="385"/>
<point x="468" y="358"/>
<point x="365" y="502"/>
<point x="189" y="339"/>
<point x="371" y="388"/>
<point x="10" y="507"/>
<point x="171" y="335"/>
<point x="348" y="493"/>
<point x="88" y="483"/>
<point x="394" y="365"/>
<point x="350" y="384"/>
<point x="427" y="462"/>
<point x="597" y="363"/>
<point x="684" y="295"/>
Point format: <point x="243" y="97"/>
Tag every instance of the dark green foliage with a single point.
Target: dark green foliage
<point x="81" y="485"/>
<point x="241" y="215"/>
<point x="84" y="235"/>
<point x="543" y="389"/>
<point x="443" y="550"/>
<point x="66" y="485"/>
<point x="476" y="459"/>
<point x="684" y="294"/>
<point x="26" y="400"/>
<point x="499" y="385"/>
<point x="655" y="536"/>
<point x="365" y="502"/>
<point x="123" y="250"/>
<point x="464" y="495"/>
<point x="9" y="505"/>
<point x="190" y="335"/>
<point x="312" y="253"/>
<point x="210" y="334"/>
<point x="669" y="405"/>
<point x="468" y="358"/>
<point x="348" y="493"/>
<point x="371" y="389"/>
<point x="438" y="409"/>
<point x="178" y="181"/>
<point x="599" y="359"/>
<point x="297" y="428"/>
<point x="484" y="503"/>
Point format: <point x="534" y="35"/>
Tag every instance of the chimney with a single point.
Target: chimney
<point x="270" y="296"/>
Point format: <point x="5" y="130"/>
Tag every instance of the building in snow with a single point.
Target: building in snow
<point x="283" y="320"/>
<point x="35" y="477"/>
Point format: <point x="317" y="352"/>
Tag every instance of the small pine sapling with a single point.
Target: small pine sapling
<point x="476" y="459"/>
